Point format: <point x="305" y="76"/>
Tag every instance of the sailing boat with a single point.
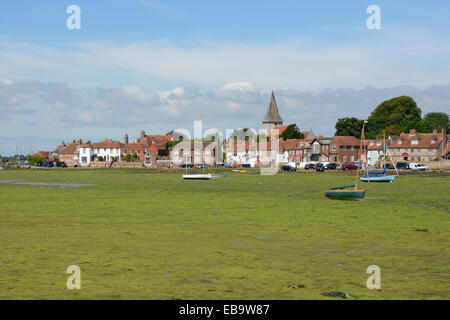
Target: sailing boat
<point x="196" y="176"/>
<point x="378" y="176"/>
<point x="349" y="192"/>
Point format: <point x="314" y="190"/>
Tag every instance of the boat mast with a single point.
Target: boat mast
<point x="359" y="156"/>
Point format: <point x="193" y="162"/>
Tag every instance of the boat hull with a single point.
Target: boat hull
<point x="345" y="194"/>
<point x="378" y="179"/>
<point x="197" y="176"/>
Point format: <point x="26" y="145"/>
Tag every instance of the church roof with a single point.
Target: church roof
<point x="272" y="115"/>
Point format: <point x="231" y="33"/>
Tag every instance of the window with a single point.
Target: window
<point x="333" y="147"/>
<point x="352" y="159"/>
<point x="415" y="141"/>
<point x="344" y="159"/>
<point x="372" y="143"/>
<point x="412" y="149"/>
<point x="334" y="158"/>
<point x="352" y="148"/>
<point x="344" y="147"/>
<point x="433" y="141"/>
<point x="430" y="150"/>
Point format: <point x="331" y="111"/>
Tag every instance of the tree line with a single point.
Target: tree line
<point x="400" y="114"/>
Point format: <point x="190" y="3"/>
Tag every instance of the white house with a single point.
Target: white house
<point x="109" y="150"/>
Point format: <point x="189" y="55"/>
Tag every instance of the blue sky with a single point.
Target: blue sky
<point x="178" y="61"/>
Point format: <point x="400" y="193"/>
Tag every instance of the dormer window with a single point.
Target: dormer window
<point x="400" y="141"/>
<point x="415" y="141"/>
<point x="433" y="141"/>
<point x="378" y="143"/>
<point x="372" y="143"/>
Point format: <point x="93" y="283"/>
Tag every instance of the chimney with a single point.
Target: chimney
<point x="125" y="139"/>
<point x="142" y="135"/>
<point x="73" y="141"/>
<point x="435" y="131"/>
<point x="412" y="131"/>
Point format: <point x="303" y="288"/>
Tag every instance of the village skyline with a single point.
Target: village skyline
<point x="160" y="66"/>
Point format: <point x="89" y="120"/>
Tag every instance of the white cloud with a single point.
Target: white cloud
<point x="54" y="111"/>
<point x="390" y="57"/>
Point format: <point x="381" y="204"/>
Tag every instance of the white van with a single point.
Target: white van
<point x="418" y="167"/>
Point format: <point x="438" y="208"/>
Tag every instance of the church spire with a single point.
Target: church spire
<point x="272" y="115"/>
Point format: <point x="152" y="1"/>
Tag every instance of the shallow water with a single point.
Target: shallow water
<point x="45" y="184"/>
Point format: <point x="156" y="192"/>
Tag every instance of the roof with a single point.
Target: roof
<point x="70" y="149"/>
<point x="158" y="140"/>
<point x="376" y="144"/>
<point x="346" y="140"/>
<point x="424" y="140"/>
<point x="59" y="148"/>
<point x="44" y="154"/>
<point x="103" y="144"/>
<point x="272" y="114"/>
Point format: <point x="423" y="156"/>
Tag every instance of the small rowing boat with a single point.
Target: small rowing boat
<point x="345" y="193"/>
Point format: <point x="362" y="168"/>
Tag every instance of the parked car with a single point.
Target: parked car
<point x="200" y="166"/>
<point x="187" y="165"/>
<point x="311" y="166"/>
<point x="288" y="168"/>
<point x="229" y="165"/>
<point x="246" y="165"/>
<point x="418" y="166"/>
<point x="331" y="166"/>
<point x="61" y="164"/>
<point x="48" y="164"/>
<point x="389" y="166"/>
<point x="349" y="167"/>
<point x="1" y="168"/>
<point x="27" y="165"/>
<point x="402" y="165"/>
<point x="320" y="167"/>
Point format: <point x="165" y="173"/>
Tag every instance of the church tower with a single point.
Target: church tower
<point x="272" y="117"/>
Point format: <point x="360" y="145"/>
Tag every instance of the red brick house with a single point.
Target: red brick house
<point x="344" y="149"/>
<point x="70" y="154"/>
<point x="148" y="147"/>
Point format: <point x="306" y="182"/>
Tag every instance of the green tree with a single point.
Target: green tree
<point x="394" y="115"/>
<point x="128" y="157"/>
<point x="135" y="157"/>
<point x="292" y="132"/>
<point x="36" y="160"/>
<point x="435" y="120"/>
<point x="100" y="158"/>
<point x="349" y="127"/>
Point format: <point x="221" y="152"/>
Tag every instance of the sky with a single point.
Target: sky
<point x="159" y="65"/>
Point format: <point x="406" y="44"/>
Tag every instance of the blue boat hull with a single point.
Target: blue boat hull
<point x="378" y="179"/>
